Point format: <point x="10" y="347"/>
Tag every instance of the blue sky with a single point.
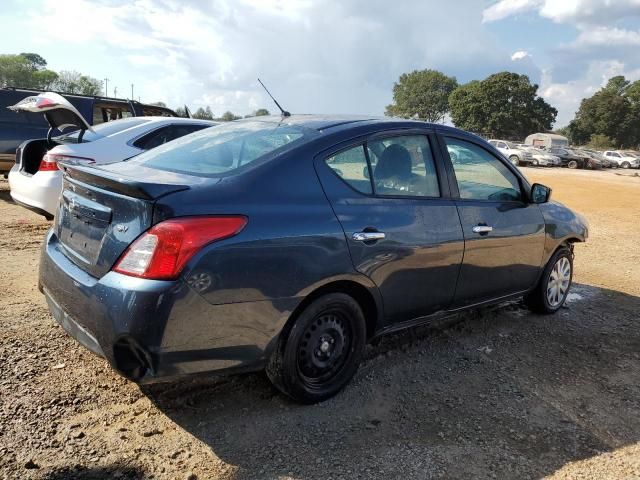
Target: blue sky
<point x="325" y="56"/>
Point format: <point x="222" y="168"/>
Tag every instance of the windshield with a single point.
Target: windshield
<point x="220" y="150"/>
<point x="511" y="145"/>
<point x="102" y="130"/>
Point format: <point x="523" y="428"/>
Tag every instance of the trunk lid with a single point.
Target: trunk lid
<point x="101" y="213"/>
<point x="60" y="114"/>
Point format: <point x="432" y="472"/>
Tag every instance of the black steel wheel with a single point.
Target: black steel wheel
<point x="322" y="351"/>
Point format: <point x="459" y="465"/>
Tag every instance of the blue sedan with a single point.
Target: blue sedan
<point x="287" y="243"/>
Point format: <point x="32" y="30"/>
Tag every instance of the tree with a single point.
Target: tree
<point x="74" y="82"/>
<point x="422" y="94"/>
<point x="600" y="142"/>
<point x="503" y="105"/>
<point x="26" y="71"/>
<point x="261" y="112"/>
<point x="203" y="114"/>
<point x="182" y="112"/>
<point x="159" y="104"/>
<point x="229" y="116"/>
<point x="613" y="112"/>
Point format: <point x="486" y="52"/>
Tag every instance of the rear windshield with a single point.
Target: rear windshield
<point x="219" y="150"/>
<point x="102" y="130"/>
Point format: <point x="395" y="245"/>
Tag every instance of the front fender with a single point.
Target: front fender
<point x="562" y="225"/>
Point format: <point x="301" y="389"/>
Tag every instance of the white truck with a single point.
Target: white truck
<point x="622" y="159"/>
<point x="512" y="152"/>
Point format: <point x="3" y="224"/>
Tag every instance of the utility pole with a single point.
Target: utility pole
<point x="115" y="91"/>
<point x="132" y="97"/>
<point x="106" y="87"/>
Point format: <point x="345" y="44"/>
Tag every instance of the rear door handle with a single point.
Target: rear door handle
<point x="482" y="229"/>
<point x="368" y="236"/>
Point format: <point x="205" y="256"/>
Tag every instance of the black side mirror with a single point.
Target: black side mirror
<point x="540" y="193"/>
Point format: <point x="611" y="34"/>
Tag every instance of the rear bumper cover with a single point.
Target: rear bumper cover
<point x="151" y="330"/>
<point x="39" y="193"/>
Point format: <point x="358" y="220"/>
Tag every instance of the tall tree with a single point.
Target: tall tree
<point x="229" y="116"/>
<point x="261" y="112"/>
<point x="74" y="82"/>
<point x="504" y="105"/>
<point x="422" y="94"/>
<point x="25" y="70"/>
<point x="203" y="113"/>
<point x="613" y="112"/>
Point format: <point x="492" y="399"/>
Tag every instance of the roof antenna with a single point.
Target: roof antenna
<point x="284" y="112"/>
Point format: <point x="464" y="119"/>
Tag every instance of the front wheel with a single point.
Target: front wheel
<point x="572" y="164"/>
<point x="553" y="287"/>
<point x="534" y="163"/>
<point x="322" y="351"/>
<point x="514" y="160"/>
<point x="625" y="165"/>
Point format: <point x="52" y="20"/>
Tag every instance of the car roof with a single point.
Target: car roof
<point x="325" y="122"/>
<point x="172" y="120"/>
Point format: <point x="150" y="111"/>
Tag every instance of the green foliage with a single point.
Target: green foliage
<point x="504" y="105"/>
<point x="74" y="82"/>
<point x="261" y="112"/>
<point x="25" y="70"/>
<point x="203" y="114"/>
<point x="600" y="142"/>
<point x="182" y="112"/>
<point x="423" y="94"/>
<point x="613" y="112"/>
<point x="228" y="117"/>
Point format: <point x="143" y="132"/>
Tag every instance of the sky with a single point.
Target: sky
<point x="325" y="56"/>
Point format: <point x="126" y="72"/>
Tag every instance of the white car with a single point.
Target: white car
<point x="512" y="152"/>
<point x="36" y="181"/>
<point x="542" y="158"/>
<point x="622" y="159"/>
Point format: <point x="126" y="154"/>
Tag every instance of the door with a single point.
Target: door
<point x="401" y="228"/>
<point x="504" y="233"/>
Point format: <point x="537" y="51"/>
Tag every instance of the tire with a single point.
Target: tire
<point x="301" y="366"/>
<point x="545" y="298"/>
<point x="573" y="164"/>
<point x="514" y="160"/>
<point x="625" y="165"/>
<point x="534" y="162"/>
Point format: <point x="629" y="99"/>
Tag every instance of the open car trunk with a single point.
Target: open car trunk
<point x="29" y="154"/>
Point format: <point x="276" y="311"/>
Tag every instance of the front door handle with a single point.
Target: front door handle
<point x="368" y="236"/>
<point x="482" y="229"/>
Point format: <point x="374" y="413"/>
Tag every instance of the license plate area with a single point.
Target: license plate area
<point x="82" y="226"/>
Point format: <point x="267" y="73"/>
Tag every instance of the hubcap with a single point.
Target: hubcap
<point x="559" y="281"/>
<point x="324" y="346"/>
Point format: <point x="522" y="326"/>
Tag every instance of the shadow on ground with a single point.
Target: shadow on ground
<point x="95" y="473"/>
<point x="501" y="393"/>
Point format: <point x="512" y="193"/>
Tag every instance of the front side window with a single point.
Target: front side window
<point x="351" y="166"/>
<point x="403" y="166"/>
<point x="480" y="175"/>
<point x="502" y="145"/>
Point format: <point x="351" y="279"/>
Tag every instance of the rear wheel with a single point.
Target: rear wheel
<point x="534" y="162"/>
<point x="322" y="351"/>
<point x="572" y="164"/>
<point x="553" y="288"/>
<point x="514" y="160"/>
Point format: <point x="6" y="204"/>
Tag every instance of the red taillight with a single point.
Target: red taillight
<point x="50" y="161"/>
<point x="161" y="252"/>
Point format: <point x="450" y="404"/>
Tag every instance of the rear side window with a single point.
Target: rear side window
<point x="403" y="166"/>
<point x="108" y="112"/>
<point x="351" y="166"/>
<point x="165" y="134"/>
<point x="219" y="151"/>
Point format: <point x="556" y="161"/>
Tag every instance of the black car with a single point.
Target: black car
<point x="16" y="127"/>
<point x="288" y="243"/>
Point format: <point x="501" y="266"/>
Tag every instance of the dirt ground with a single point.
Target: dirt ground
<point x="500" y="393"/>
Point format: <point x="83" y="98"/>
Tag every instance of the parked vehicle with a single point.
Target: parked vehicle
<point x="546" y="140"/>
<point x="588" y="160"/>
<point x="605" y="162"/>
<point x="35" y="179"/>
<point x="16" y="127"/>
<point x="622" y="159"/>
<point x="568" y="158"/>
<point x="541" y="158"/>
<point x="515" y="155"/>
<point x="261" y="243"/>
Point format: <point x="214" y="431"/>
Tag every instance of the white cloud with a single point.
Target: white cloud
<point x="507" y="8"/>
<point x="520" y="55"/>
